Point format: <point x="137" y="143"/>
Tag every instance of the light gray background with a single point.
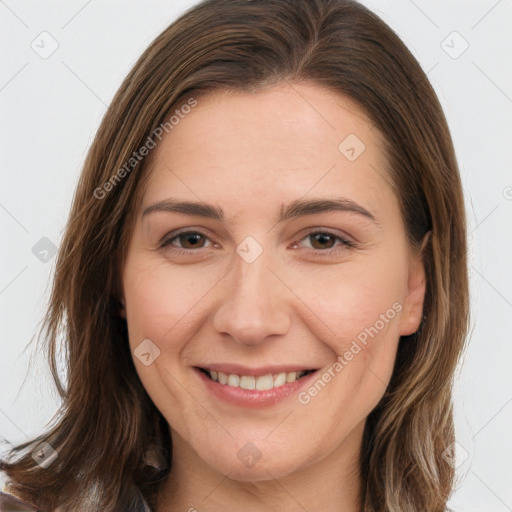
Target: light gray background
<point x="51" y="108"/>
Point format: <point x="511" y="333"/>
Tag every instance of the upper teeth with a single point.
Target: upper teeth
<point x="260" y="383"/>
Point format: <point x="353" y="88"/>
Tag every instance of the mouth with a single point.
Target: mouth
<point x="263" y="382"/>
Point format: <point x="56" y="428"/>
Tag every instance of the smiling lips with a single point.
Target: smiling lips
<point x="261" y="383"/>
<point x="254" y="387"/>
<point x="253" y="379"/>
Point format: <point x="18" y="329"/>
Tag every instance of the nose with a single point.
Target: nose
<point x="254" y="303"/>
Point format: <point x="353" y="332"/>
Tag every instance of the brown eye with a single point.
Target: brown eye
<point x="324" y="243"/>
<point x="187" y="240"/>
<point x="191" y="240"/>
<point x="322" y="240"/>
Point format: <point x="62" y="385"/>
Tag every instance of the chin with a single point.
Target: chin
<point x="253" y="465"/>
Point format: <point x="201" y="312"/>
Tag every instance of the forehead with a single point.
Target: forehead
<point x="284" y="142"/>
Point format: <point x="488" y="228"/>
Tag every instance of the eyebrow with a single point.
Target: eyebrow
<point x="295" y="209"/>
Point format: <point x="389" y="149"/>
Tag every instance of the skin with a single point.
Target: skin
<point x="251" y="153"/>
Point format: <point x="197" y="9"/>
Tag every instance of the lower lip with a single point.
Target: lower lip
<point x="253" y="398"/>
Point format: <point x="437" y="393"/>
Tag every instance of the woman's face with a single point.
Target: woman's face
<point x="291" y="256"/>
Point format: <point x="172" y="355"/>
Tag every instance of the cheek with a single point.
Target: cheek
<point x="166" y="306"/>
<point x="161" y="302"/>
<point x="357" y="314"/>
<point x="366" y="327"/>
<point x="162" y="306"/>
<point x="356" y="299"/>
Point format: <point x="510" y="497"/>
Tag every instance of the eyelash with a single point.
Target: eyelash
<point x="343" y="246"/>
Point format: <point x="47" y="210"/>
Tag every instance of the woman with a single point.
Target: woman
<point x="263" y="282"/>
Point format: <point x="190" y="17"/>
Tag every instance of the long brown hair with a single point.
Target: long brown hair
<point x="113" y="444"/>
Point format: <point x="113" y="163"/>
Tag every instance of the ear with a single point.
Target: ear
<point x="117" y="295"/>
<point x="121" y="308"/>
<point x="413" y="305"/>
